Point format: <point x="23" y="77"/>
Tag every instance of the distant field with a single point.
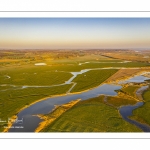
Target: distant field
<point x="130" y="55"/>
<point x="38" y="75"/>
<point x="91" y="116"/>
<point x="77" y="67"/>
<point x="91" y="79"/>
<point x="83" y="59"/>
<point x="107" y="64"/>
<point x="10" y="58"/>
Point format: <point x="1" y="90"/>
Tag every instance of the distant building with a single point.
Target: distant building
<point x="40" y="64"/>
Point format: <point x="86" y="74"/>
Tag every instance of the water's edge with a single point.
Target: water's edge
<point x="31" y="122"/>
<point x="126" y="111"/>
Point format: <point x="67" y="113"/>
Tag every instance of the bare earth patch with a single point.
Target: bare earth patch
<point x="126" y="73"/>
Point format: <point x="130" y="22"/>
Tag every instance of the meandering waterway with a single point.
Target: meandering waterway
<point x="31" y="122"/>
<point x="126" y="112"/>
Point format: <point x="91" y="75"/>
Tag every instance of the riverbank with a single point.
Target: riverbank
<point x="116" y="103"/>
<point x="26" y="106"/>
<point x="142" y="114"/>
<point x="59" y="97"/>
<point x="91" y="115"/>
<point x="128" y="112"/>
<point x="54" y="96"/>
<point x="125" y="74"/>
<point x="59" y="110"/>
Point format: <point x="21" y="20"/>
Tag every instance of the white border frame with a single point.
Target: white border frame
<point x="73" y="14"/>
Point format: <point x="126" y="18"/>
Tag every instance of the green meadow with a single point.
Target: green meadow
<point x="92" y="79"/>
<point x="119" y="101"/>
<point x="130" y="90"/>
<point x="12" y="100"/>
<point x="107" y="64"/>
<point x="91" y="115"/>
<point x="142" y="114"/>
<point x="36" y="75"/>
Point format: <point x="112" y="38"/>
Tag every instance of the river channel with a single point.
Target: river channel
<point x="29" y="121"/>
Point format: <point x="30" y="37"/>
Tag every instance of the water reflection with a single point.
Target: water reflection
<point x="47" y="105"/>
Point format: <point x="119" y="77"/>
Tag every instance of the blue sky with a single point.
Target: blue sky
<point x="74" y="33"/>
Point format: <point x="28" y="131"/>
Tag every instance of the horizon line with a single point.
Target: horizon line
<point x="77" y="49"/>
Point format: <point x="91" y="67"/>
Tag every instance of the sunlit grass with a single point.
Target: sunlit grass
<point x="91" y="79"/>
<point x="119" y="101"/>
<point x="91" y="116"/>
<point x="130" y="90"/>
<point x="142" y="114"/>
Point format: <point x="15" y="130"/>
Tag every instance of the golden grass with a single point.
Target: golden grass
<point x="126" y="96"/>
<point x="59" y="110"/>
<point x="9" y="60"/>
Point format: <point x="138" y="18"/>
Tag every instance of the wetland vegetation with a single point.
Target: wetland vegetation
<point x="91" y="115"/>
<point x="23" y="83"/>
<point x="91" y="79"/>
<point x="142" y="114"/>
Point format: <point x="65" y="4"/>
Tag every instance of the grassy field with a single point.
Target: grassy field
<point x="146" y="95"/>
<point x="38" y="75"/>
<point x="9" y="58"/>
<point x="130" y="90"/>
<point x="107" y="64"/>
<point x="142" y="114"/>
<point x="13" y="96"/>
<point x="91" y="116"/>
<point x="77" y="67"/>
<point x="91" y="79"/>
<point x="11" y="101"/>
<point x="67" y="64"/>
<point x="119" y="101"/>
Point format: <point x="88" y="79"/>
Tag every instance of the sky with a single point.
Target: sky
<point x="74" y="33"/>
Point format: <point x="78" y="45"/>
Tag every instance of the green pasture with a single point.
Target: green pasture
<point x="12" y="100"/>
<point x="38" y="75"/>
<point x="91" y="79"/>
<point x="119" y="101"/>
<point x="91" y="116"/>
<point x="146" y="95"/>
<point x="107" y="64"/>
<point x="142" y="114"/>
<point x="130" y="90"/>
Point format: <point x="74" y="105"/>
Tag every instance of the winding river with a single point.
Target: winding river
<point x="30" y="121"/>
<point x="126" y="111"/>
